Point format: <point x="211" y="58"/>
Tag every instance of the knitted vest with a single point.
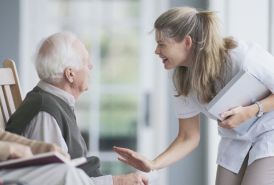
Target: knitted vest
<point x="39" y="100"/>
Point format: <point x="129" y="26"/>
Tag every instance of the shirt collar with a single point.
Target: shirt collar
<point x="68" y="98"/>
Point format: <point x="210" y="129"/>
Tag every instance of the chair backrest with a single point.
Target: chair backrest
<point x="10" y="91"/>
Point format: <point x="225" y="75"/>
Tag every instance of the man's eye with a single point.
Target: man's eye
<point x="162" y="45"/>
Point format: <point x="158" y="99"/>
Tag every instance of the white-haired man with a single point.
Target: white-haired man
<point x="47" y="113"/>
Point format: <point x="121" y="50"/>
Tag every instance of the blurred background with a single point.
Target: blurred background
<point x="128" y="103"/>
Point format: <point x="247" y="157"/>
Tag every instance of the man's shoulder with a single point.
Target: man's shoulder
<point x="41" y="97"/>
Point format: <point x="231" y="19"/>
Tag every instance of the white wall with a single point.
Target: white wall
<point x="9" y="31"/>
<point x="191" y="170"/>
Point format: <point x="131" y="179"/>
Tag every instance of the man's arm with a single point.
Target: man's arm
<point x="44" y="127"/>
<point x="13" y="150"/>
<point x="132" y="179"/>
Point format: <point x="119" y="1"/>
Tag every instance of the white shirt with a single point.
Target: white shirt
<point x="234" y="147"/>
<point x="44" y="127"/>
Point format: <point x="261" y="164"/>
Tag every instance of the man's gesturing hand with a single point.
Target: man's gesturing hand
<point x="132" y="179"/>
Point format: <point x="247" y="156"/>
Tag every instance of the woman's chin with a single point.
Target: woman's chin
<point x="168" y="67"/>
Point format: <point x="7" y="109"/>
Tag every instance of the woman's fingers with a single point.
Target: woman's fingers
<point x="125" y="153"/>
<point x="226" y="114"/>
<point x="123" y="160"/>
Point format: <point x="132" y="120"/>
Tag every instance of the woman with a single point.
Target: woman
<point x="200" y="64"/>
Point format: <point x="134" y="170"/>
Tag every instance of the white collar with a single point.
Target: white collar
<point x="68" y="98"/>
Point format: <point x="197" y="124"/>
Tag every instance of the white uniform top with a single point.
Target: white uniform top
<point x="234" y="147"/>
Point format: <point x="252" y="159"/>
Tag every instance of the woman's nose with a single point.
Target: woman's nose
<point x="157" y="51"/>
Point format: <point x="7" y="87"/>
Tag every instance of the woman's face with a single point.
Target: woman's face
<point x="173" y="53"/>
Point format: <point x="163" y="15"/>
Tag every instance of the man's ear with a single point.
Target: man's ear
<point x="188" y="42"/>
<point x="69" y="74"/>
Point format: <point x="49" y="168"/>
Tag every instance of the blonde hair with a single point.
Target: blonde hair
<point x="208" y="59"/>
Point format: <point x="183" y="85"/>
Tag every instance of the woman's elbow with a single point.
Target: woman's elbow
<point x="193" y="139"/>
<point x="196" y="140"/>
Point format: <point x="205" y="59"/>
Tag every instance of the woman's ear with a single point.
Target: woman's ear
<point x="69" y="74"/>
<point x="188" y="42"/>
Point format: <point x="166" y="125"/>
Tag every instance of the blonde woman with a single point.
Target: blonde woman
<point x="200" y="64"/>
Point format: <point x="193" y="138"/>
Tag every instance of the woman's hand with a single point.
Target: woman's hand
<point x="237" y="116"/>
<point x="134" y="159"/>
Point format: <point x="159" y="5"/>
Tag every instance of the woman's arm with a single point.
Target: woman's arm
<point x="187" y="140"/>
<point x="240" y="114"/>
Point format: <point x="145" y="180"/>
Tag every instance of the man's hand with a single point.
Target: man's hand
<point x="132" y="179"/>
<point x="1" y="182"/>
<point x="19" y="151"/>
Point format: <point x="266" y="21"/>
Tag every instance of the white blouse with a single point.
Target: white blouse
<point x="234" y="147"/>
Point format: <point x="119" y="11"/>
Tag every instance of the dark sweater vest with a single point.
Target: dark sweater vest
<point x="39" y="100"/>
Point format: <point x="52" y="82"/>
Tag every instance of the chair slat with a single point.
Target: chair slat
<point x="2" y="122"/>
<point x="16" y="88"/>
<point x="9" y="99"/>
<point x="4" y="106"/>
<point x="6" y="76"/>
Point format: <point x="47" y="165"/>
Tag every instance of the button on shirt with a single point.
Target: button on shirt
<point x="44" y="127"/>
<point x="234" y="147"/>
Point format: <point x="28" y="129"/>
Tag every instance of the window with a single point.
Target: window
<point x="116" y="110"/>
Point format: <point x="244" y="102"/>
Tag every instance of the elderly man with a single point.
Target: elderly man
<point x="47" y="113"/>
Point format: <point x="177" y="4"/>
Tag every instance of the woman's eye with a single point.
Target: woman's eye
<point x="162" y="45"/>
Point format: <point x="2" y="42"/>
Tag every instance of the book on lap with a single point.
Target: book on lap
<point x="243" y="90"/>
<point x="42" y="159"/>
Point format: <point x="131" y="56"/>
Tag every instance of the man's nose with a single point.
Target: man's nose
<point x="90" y="65"/>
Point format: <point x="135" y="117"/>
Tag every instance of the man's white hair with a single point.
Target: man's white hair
<point x="54" y="54"/>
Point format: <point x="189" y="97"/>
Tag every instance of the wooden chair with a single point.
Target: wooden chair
<point x="10" y="98"/>
<point x="10" y="91"/>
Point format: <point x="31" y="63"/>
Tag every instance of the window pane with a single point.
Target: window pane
<point x="118" y="121"/>
<point x="82" y="112"/>
<point x="119" y="55"/>
<point x="120" y="10"/>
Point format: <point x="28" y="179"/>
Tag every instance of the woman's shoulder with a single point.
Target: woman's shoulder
<point x="242" y="51"/>
<point x="243" y="46"/>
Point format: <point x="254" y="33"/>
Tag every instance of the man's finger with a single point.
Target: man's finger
<point x="145" y="180"/>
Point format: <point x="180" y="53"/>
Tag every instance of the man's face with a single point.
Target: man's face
<point x="81" y="76"/>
